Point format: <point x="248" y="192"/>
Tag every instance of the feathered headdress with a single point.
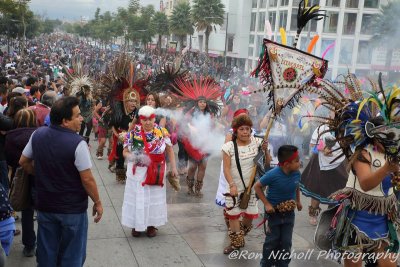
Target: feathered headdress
<point x="123" y="80"/>
<point x="163" y="81"/>
<point x="78" y="77"/>
<point x="358" y="122"/>
<point x="190" y="91"/>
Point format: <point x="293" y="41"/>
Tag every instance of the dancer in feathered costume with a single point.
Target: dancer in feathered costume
<point x="326" y="172"/>
<point x="81" y="86"/>
<point x="199" y="97"/>
<point x="122" y="81"/>
<point x="368" y="132"/>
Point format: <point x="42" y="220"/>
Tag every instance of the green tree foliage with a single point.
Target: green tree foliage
<point x="385" y="26"/>
<point x="159" y="25"/>
<point x="134" y="7"/>
<point x="205" y="13"/>
<point x="180" y="21"/>
<point x="47" y="26"/>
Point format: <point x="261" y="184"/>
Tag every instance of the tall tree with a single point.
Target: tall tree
<point x="205" y="13"/>
<point x="385" y="25"/>
<point x="144" y="23"/>
<point x="159" y="24"/>
<point x="134" y="6"/>
<point x="180" y="21"/>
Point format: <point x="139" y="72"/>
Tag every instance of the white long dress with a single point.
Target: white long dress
<point x="146" y="205"/>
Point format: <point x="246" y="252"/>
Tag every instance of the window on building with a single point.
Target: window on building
<point x="254" y="4"/>
<point x="311" y="2"/>
<point x="314" y="24"/>
<point x="362" y="73"/>
<point x="328" y="74"/>
<point x="371" y="3"/>
<point x="273" y="3"/>
<point x="284" y="2"/>
<point x="263" y="3"/>
<point x="253" y="22"/>
<point x="251" y="50"/>
<point x="167" y="5"/>
<point x="335" y="3"/>
<point x="331" y="22"/>
<point x="289" y="40"/>
<point x="346" y="51"/>
<point x="272" y="19"/>
<point x="349" y="23"/>
<point x="293" y="21"/>
<point x="364" y="53"/>
<point x="261" y="22"/>
<point x="258" y="46"/>
<point x="352" y="3"/>
<point x="230" y="43"/>
<point x="342" y="71"/>
<point x="283" y="19"/>
<point x="324" y="45"/>
<point x="366" y="24"/>
<point x="251" y="39"/>
<point x="303" y="43"/>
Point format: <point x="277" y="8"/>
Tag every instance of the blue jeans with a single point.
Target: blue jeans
<point x="4" y="175"/>
<point x="278" y="241"/>
<point x="61" y="239"/>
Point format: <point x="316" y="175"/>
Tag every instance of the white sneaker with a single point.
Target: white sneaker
<point x="99" y="157"/>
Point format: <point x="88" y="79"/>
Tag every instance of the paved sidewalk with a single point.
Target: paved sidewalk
<point x="194" y="236"/>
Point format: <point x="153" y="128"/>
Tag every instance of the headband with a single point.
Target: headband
<point x="292" y="157"/>
<point x="240" y="111"/>
<point x="152" y="116"/>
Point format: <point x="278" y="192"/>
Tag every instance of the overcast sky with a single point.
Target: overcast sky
<point x="74" y="9"/>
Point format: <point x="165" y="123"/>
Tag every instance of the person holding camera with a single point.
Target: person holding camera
<point x="238" y="156"/>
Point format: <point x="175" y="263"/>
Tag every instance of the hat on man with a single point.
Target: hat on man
<point x="19" y="90"/>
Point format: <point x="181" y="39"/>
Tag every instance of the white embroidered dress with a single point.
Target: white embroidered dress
<point x="146" y="205"/>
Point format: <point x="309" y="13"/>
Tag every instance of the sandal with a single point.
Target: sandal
<point x="229" y="250"/>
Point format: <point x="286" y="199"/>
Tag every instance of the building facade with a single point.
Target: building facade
<point x="347" y="25"/>
<point x="231" y="38"/>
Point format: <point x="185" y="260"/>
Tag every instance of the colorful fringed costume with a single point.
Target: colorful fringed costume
<point x="365" y="218"/>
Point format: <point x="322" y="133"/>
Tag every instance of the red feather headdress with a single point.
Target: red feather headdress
<point x="192" y="90"/>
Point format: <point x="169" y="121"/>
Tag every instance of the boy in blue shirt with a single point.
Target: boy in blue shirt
<point x="283" y="196"/>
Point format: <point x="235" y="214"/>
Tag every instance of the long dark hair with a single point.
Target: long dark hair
<point x="16" y="104"/>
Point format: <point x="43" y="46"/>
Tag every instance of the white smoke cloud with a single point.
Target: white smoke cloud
<point x="202" y="131"/>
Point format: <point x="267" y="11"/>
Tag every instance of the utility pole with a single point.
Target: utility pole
<point x="226" y="37"/>
<point x="190" y="49"/>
